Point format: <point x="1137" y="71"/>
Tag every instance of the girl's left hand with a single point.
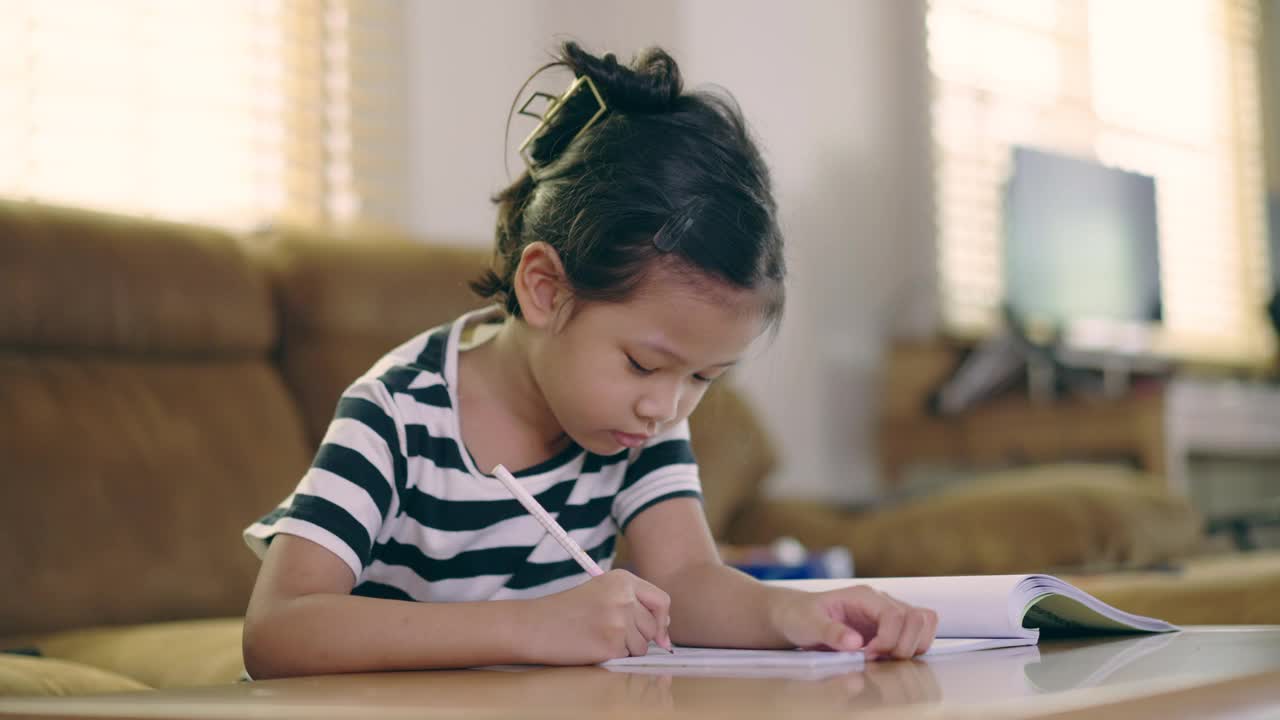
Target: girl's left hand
<point x="854" y="618"/>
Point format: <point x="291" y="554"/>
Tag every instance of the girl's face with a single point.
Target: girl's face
<point x="616" y="373"/>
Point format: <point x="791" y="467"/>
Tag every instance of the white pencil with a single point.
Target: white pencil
<point x="548" y="522"/>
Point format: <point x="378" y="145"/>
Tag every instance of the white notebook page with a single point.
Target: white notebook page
<point x="731" y="658"/>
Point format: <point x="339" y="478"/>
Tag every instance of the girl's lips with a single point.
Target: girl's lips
<point x="629" y="440"/>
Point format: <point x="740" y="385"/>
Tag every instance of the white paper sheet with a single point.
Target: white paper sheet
<point x="727" y="658"/>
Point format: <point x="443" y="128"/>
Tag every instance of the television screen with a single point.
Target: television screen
<point x="1080" y="241"/>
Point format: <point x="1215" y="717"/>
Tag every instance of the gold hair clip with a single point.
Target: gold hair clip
<point x="553" y="106"/>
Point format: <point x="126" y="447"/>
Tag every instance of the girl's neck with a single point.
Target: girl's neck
<point x="497" y="381"/>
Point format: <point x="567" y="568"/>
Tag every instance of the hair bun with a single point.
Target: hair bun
<point x="650" y="84"/>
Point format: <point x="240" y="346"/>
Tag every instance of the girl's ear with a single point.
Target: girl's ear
<point x="541" y="286"/>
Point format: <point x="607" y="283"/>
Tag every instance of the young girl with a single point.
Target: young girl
<point x="637" y="259"/>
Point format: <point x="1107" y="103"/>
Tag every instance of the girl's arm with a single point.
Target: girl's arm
<point x="713" y="605"/>
<point x="302" y="620"/>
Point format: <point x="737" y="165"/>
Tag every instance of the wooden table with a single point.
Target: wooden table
<point x="1199" y="672"/>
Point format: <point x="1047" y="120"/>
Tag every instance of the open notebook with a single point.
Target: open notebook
<point x="975" y="612"/>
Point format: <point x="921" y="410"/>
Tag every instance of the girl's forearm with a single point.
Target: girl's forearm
<point x="713" y="605"/>
<point x="330" y="633"/>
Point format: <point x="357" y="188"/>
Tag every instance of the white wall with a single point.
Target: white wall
<point x="836" y="93"/>
<point x="466" y="62"/>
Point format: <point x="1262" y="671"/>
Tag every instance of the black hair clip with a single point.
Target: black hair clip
<point x="668" y="236"/>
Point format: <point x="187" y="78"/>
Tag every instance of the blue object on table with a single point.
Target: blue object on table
<point x="808" y="571"/>
<point x="833" y="563"/>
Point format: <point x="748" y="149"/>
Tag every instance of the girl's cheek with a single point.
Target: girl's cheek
<point x="690" y="401"/>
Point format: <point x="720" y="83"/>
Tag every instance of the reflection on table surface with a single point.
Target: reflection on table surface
<point x="1199" y="655"/>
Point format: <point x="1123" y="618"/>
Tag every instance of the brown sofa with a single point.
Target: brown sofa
<point x="162" y="385"/>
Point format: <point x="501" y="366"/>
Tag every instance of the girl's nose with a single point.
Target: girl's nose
<point x="659" y="405"/>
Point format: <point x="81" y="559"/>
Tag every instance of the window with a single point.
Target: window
<point x="232" y="112"/>
<point x="1167" y="88"/>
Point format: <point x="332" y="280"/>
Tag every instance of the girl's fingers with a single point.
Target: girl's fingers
<point x="929" y="632"/>
<point x="912" y="627"/>
<point x="645" y="623"/>
<point x="897" y="629"/>
<point x="889" y="616"/>
<point x="637" y="644"/>
<point x="838" y="636"/>
<point x="658" y="604"/>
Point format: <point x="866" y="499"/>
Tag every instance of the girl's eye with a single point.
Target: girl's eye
<point x="638" y="367"/>
<point x="703" y="378"/>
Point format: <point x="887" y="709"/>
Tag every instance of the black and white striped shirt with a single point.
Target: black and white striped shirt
<point x="394" y="493"/>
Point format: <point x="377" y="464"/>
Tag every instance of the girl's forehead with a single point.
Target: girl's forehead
<point x="668" y="278"/>
<point x="689" y="317"/>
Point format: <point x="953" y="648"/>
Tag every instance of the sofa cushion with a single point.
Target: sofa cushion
<point x="734" y="454"/>
<point x="145" y="424"/>
<point x="346" y="302"/>
<point x="1029" y="520"/>
<point x="192" y="653"/>
<point x="127" y="484"/>
<point x="74" y="280"/>
<point x="21" y="675"/>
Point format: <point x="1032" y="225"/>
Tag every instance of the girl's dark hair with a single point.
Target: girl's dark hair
<point x="662" y="173"/>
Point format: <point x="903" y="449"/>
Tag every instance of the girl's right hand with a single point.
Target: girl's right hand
<point x="610" y="616"/>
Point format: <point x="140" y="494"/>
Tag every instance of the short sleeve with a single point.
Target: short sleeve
<point x="353" y="484"/>
<point x="662" y="469"/>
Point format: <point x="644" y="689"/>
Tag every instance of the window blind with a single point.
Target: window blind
<point x="235" y="112"/>
<point x="1167" y="89"/>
